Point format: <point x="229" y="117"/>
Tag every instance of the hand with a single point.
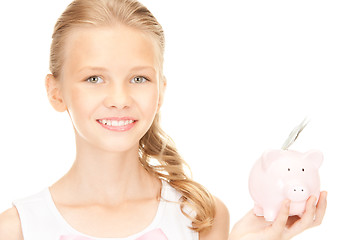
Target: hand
<point x="284" y="227"/>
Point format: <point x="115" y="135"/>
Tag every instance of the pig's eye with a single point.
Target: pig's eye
<point x="302" y="169"/>
<point x="288" y="169"/>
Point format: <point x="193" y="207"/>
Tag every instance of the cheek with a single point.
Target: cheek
<point x="148" y="101"/>
<point x="80" y="104"/>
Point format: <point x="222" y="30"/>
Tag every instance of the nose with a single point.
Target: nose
<point x="298" y="193"/>
<point x="118" y="96"/>
<point x="298" y="189"/>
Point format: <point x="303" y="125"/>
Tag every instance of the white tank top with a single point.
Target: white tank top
<point x="41" y="220"/>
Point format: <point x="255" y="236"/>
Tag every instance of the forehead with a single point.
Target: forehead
<point x="114" y="47"/>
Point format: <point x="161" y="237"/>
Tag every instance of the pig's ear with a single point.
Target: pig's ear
<point x="315" y="157"/>
<point x="269" y="157"/>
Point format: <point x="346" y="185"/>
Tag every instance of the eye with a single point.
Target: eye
<point x="139" y="79"/>
<point x="288" y="169"/>
<point x="302" y="169"/>
<point x="94" y="79"/>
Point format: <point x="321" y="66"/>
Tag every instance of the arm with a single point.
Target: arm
<point x="220" y="227"/>
<point x="10" y="227"/>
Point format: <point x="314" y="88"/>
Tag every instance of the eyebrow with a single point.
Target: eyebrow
<point x="137" y="68"/>
<point x="93" y="69"/>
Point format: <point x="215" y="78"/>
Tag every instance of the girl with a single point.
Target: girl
<point x="128" y="180"/>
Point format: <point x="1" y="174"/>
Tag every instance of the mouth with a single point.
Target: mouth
<point x="115" y="123"/>
<point x="118" y="125"/>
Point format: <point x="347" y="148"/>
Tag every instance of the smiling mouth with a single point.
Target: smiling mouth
<point x="115" y="123"/>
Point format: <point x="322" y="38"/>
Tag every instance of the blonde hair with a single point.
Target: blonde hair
<point x="155" y="144"/>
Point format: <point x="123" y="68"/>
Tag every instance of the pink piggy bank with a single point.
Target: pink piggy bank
<point x="284" y="174"/>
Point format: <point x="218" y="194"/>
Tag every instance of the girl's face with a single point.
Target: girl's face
<point x="109" y="86"/>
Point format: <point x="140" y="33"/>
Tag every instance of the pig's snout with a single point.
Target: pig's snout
<point x="298" y="193"/>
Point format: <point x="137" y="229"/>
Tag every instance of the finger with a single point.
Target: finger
<point x="309" y="215"/>
<point x="282" y="218"/>
<point x="307" y="219"/>
<point x="321" y="209"/>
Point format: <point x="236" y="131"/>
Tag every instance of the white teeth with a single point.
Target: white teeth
<point x="115" y="123"/>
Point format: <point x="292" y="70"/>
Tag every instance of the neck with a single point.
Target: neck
<point x="102" y="177"/>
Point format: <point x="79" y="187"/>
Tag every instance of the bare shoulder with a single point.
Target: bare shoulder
<point x="10" y="226"/>
<point x="220" y="228"/>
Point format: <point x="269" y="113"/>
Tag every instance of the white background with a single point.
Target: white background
<point x="241" y="75"/>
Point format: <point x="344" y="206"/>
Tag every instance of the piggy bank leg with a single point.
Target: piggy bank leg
<point x="297" y="208"/>
<point x="270" y="214"/>
<point x="258" y="210"/>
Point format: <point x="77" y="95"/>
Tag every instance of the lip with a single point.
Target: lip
<point x="117" y="118"/>
<point x="117" y="128"/>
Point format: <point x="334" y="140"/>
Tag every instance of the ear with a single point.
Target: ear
<point x="163" y="84"/>
<point x="54" y="94"/>
<point x="315" y="157"/>
<point x="269" y="157"/>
